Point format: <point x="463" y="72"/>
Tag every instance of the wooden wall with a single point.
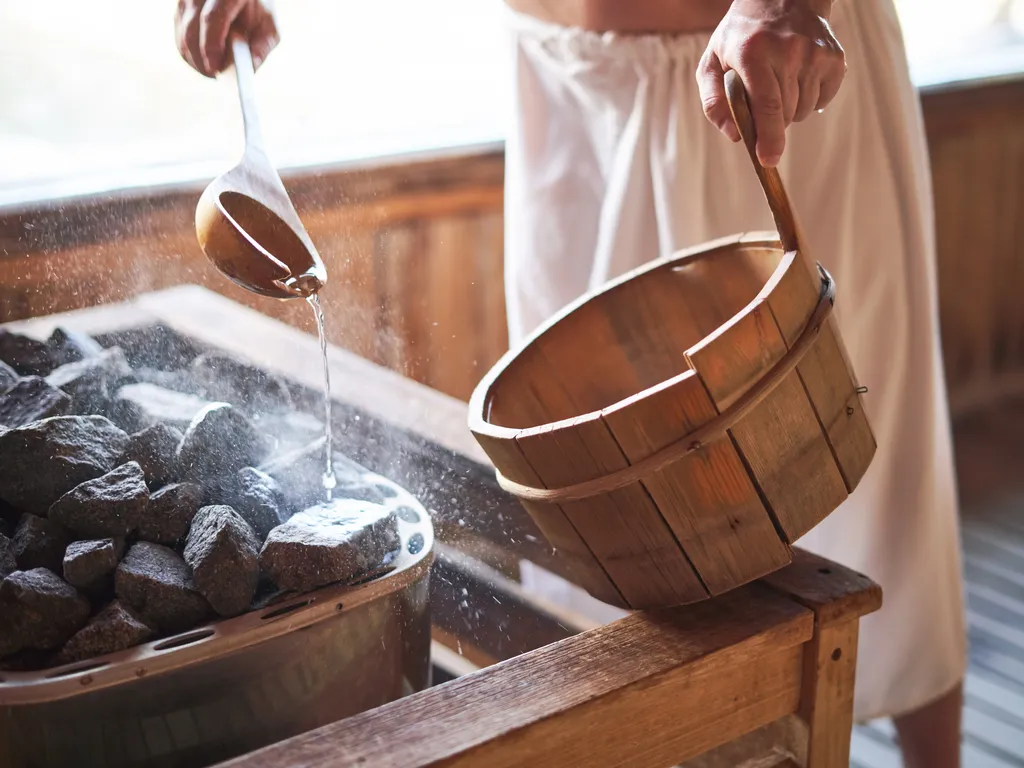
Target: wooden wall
<point x="976" y="141"/>
<point x="413" y="247"/>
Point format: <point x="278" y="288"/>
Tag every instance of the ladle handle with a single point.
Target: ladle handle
<point x="771" y="182"/>
<point x="245" y="75"/>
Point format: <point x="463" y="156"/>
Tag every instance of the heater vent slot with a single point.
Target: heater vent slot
<point x="183" y="640"/>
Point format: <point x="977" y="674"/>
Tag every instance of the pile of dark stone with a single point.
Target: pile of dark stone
<point x="147" y="487"/>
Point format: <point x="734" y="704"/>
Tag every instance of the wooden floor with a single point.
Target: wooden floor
<point x="990" y="462"/>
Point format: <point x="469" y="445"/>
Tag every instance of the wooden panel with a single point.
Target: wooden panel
<point x="413" y="249"/>
<point x="977" y="164"/>
<point x="577" y="702"/>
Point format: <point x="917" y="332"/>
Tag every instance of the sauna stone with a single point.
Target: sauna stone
<point x="156" y="583"/>
<point x="223" y="552"/>
<point x="31" y="399"/>
<point x="137" y="406"/>
<point x="299" y="474"/>
<point x="220" y="490"/>
<point x="113" y="629"/>
<point x="155" y="449"/>
<point x="8" y="376"/>
<point x="8" y="562"/>
<point x="170" y="512"/>
<point x="40" y="543"/>
<point x="91" y="382"/>
<point x="331" y="542"/>
<point x="42" y="461"/>
<point x="176" y="381"/>
<point x="257" y="498"/>
<point x="25" y="355"/>
<point x="110" y="505"/>
<point x="40" y="610"/>
<point x="68" y="346"/>
<point x="288" y="430"/>
<point x="153" y="346"/>
<point x="219" y="441"/>
<point x="225" y="379"/>
<point x="90" y="565"/>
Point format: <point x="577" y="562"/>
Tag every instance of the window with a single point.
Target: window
<point x="95" y="97"/>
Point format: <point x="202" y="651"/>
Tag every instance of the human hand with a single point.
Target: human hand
<point x="201" y="30"/>
<point x="790" y="62"/>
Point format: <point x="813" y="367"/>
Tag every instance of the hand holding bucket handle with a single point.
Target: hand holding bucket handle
<point x="771" y="182"/>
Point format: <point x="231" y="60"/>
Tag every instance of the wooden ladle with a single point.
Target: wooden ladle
<point x="245" y="222"/>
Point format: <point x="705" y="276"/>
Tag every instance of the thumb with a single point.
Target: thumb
<point x="711" y="84"/>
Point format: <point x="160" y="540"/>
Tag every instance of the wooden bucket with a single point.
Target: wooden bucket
<point x="675" y="432"/>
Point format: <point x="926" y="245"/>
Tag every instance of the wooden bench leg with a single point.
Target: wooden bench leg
<point x="830" y="661"/>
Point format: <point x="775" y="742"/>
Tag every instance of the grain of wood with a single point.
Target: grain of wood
<point x="706" y="498"/>
<point x="835" y="593"/>
<point x="825" y="371"/>
<point x="452" y="274"/>
<point x="830" y="663"/>
<point x="781" y="440"/>
<point x="779" y="744"/>
<point x="624" y="528"/>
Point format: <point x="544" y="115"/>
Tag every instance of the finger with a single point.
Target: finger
<point x="767" y="109"/>
<point x="215" y="22"/>
<point x="789" y="87"/>
<point x="830" y="83"/>
<point x="711" y="85"/>
<point x="188" y="44"/>
<point x="810" y="88"/>
<point x="263" y="40"/>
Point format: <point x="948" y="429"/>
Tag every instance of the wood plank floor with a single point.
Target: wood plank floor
<point x="990" y="471"/>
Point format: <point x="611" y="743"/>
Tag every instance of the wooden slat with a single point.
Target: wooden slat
<point x="623" y="528"/>
<point x="782" y="744"/>
<point x="830" y="663"/>
<point x="554" y="707"/>
<point x="451" y="662"/>
<point x="780" y="440"/>
<point x="824" y="370"/>
<point x="707" y="498"/>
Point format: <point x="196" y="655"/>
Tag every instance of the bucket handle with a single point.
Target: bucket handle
<point x="771" y="181"/>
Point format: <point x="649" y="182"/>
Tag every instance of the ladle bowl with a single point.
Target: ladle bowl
<point x="246" y="223"/>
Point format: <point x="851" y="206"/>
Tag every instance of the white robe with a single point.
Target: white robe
<point x="611" y="163"/>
